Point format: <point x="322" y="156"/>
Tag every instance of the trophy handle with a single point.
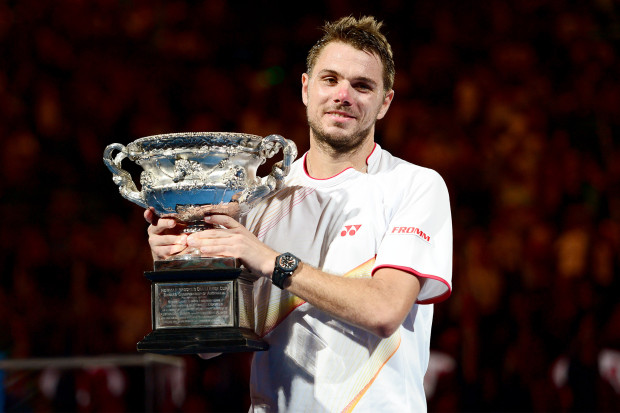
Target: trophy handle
<point x="269" y="147"/>
<point x="121" y="177"/>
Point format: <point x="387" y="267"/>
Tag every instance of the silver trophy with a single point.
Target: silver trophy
<point x="200" y="304"/>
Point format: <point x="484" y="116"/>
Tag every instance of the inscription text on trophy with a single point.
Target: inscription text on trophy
<point x="196" y="304"/>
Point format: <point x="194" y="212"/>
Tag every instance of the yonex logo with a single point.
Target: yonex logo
<point x="411" y="230"/>
<point x="350" y="230"/>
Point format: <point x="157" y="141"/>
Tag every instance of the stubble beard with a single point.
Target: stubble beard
<point x="338" y="145"/>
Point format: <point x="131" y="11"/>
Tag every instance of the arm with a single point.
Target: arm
<point x="378" y="304"/>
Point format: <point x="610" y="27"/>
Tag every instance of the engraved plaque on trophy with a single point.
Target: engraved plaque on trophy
<point x="200" y="304"/>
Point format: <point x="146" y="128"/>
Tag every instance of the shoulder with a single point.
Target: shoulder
<point x="397" y="172"/>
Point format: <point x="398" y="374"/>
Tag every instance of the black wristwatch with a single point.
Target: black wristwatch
<point x="285" y="266"/>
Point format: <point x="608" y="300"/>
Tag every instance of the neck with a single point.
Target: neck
<point x="323" y="162"/>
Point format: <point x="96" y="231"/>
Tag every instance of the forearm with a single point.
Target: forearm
<point x="378" y="304"/>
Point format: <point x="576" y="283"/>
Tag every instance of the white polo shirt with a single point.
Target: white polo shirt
<point x="396" y="215"/>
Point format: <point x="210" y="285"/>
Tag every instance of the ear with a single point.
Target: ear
<point x="387" y="101"/>
<point x="305" y="79"/>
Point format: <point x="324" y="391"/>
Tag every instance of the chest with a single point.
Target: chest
<point x="335" y="230"/>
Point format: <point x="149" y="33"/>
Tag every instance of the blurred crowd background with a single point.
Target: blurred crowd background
<point x="515" y="103"/>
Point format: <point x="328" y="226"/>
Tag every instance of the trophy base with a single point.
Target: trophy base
<point x="201" y="340"/>
<point x="209" y="309"/>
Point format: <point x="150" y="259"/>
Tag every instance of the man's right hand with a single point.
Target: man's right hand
<point x="165" y="236"/>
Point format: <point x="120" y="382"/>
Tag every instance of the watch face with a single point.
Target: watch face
<point x="287" y="262"/>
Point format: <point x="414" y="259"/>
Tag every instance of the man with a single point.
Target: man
<point x="370" y="242"/>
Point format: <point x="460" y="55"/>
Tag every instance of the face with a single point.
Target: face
<point x="344" y="96"/>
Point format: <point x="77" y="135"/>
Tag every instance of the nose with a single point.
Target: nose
<point x="343" y="94"/>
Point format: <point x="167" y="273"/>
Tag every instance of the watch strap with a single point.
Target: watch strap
<point x="279" y="277"/>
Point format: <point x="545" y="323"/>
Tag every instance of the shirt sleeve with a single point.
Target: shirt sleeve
<point x="419" y="235"/>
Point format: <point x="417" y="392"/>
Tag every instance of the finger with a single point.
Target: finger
<point x="163" y="240"/>
<point x="167" y="251"/>
<point x="198" y="237"/>
<point x="223" y="220"/>
<point x="150" y="216"/>
<point x="162" y="225"/>
<point x="177" y="249"/>
<point x="217" y="251"/>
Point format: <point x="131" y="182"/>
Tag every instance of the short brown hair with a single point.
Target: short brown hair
<point x="363" y="34"/>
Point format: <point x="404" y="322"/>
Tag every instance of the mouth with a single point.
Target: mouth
<point x="340" y="115"/>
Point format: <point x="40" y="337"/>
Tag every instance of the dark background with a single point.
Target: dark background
<point x="515" y="103"/>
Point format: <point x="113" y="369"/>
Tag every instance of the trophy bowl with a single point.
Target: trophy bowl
<point x="200" y="304"/>
<point x="189" y="175"/>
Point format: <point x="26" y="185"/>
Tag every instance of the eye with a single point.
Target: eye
<point x="330" y="80"/>
<point x="363" y="87"/>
